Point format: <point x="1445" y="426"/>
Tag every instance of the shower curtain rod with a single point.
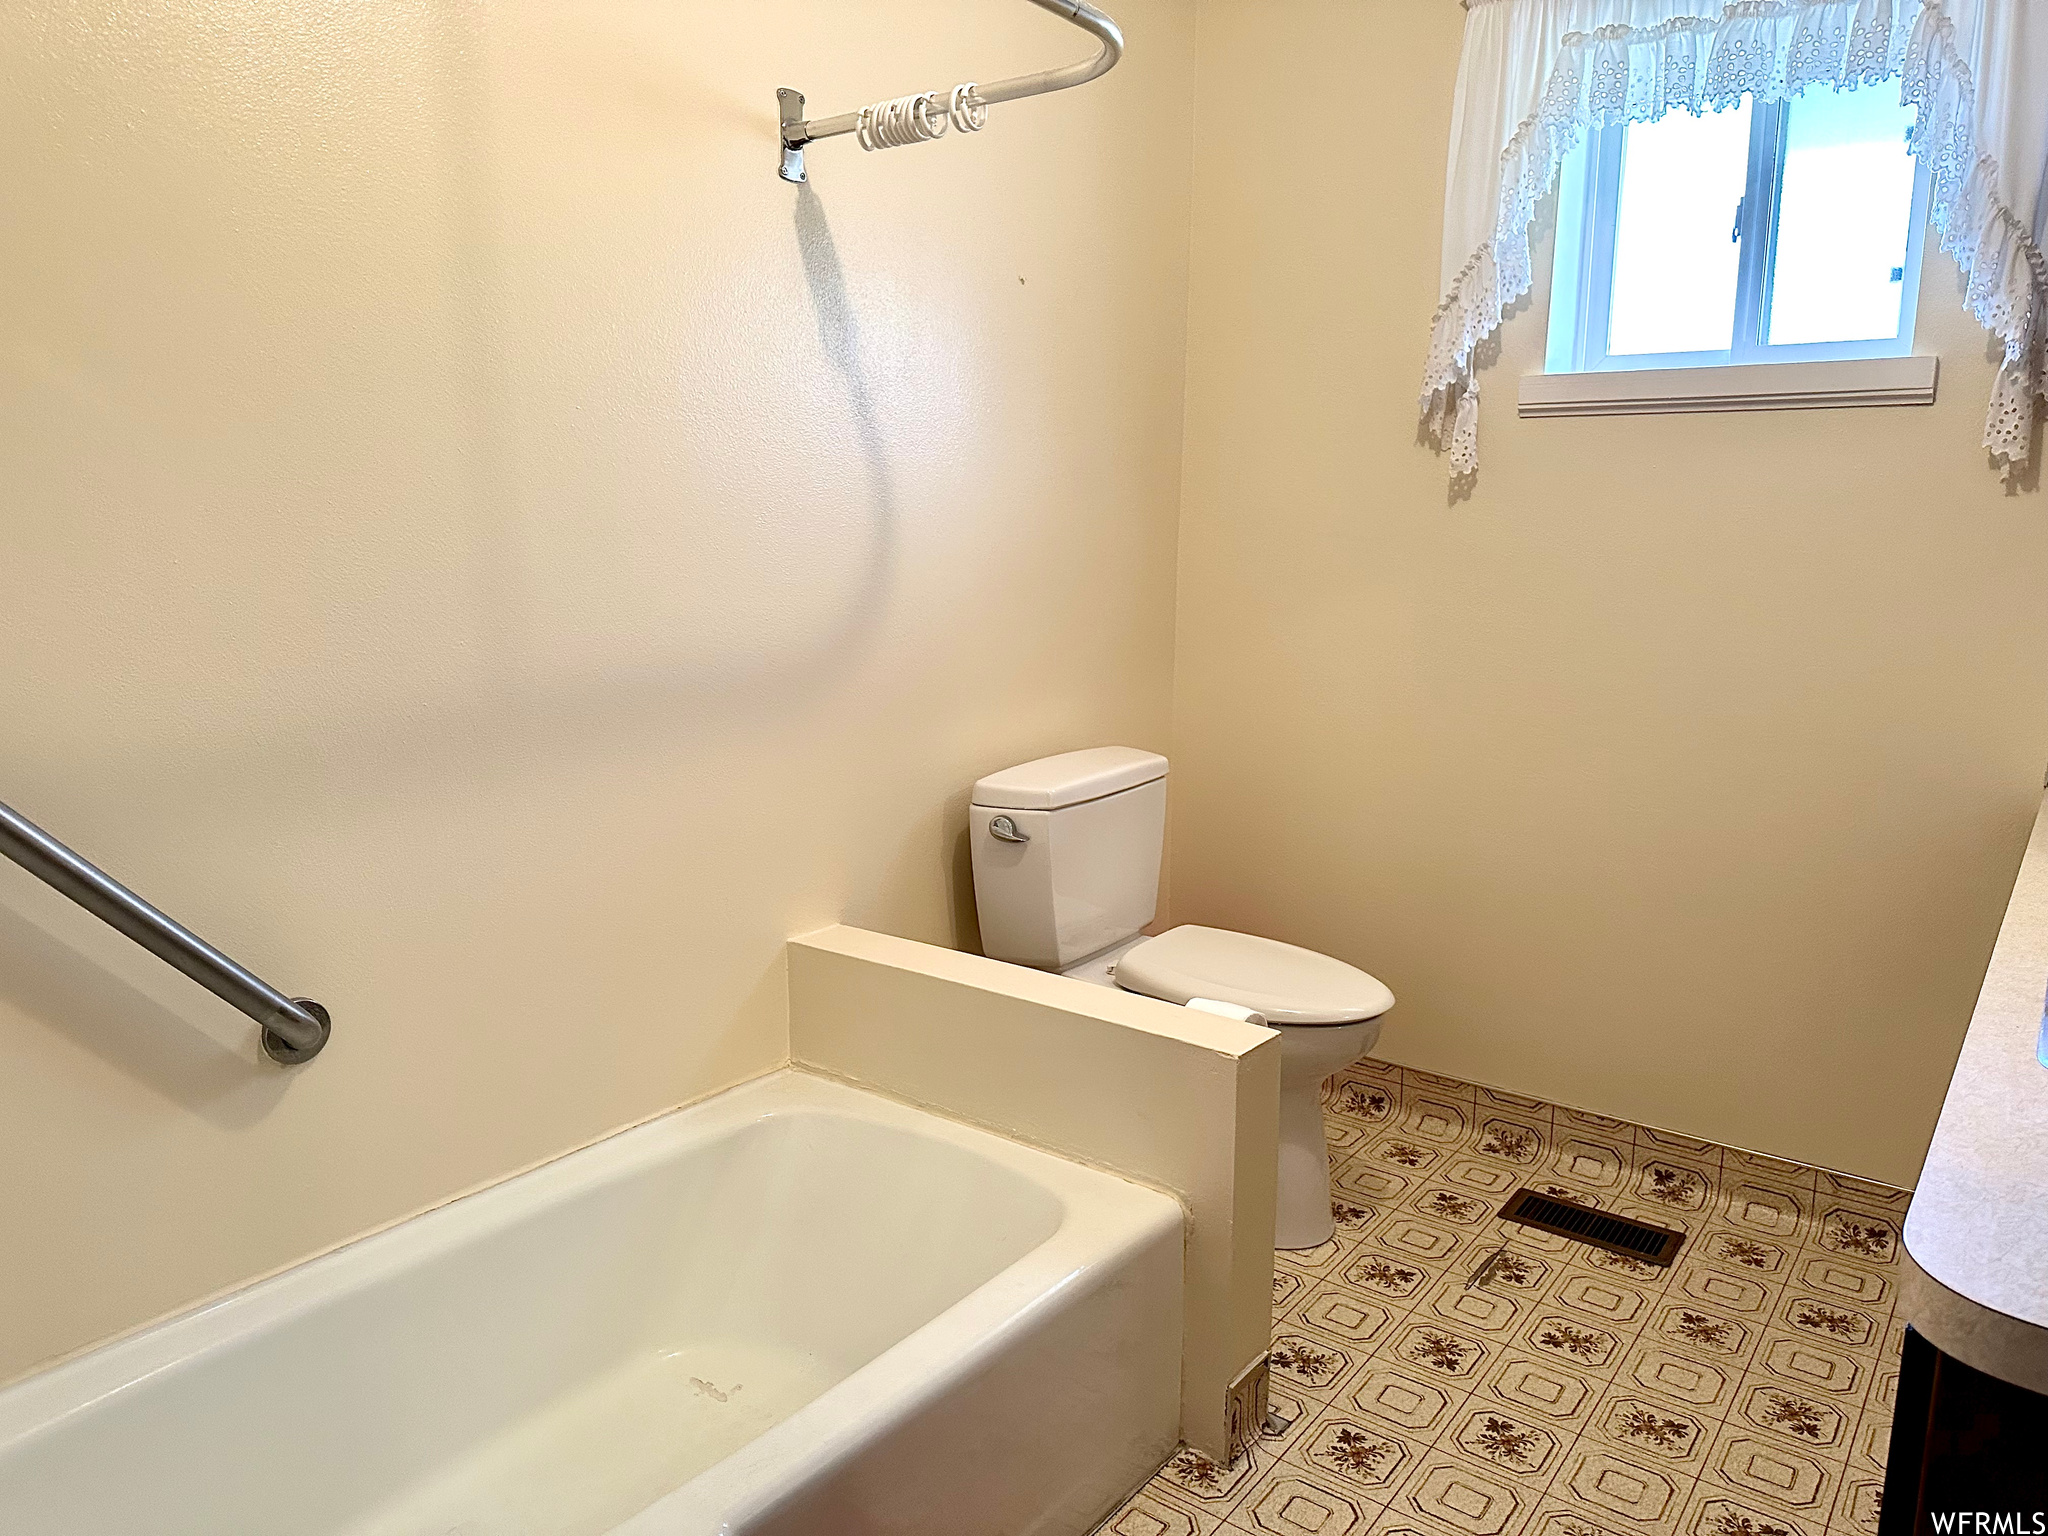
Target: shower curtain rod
<point x="966" y="100"/>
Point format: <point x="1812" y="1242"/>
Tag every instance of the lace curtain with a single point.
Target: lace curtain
<point x="1536" y="74"/>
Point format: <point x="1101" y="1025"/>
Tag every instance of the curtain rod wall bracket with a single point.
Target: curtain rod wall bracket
<point x="919" y="119"/>
<point x="793" y="136"/>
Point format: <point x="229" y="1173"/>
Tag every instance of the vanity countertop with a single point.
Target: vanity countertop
<point x="1975" y="1280"/>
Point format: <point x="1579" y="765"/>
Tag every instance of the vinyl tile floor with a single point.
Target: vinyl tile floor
<point x="1746" y="1390"/>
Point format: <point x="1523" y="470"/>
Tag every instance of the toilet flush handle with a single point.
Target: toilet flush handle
<point x="1006" y="830"/>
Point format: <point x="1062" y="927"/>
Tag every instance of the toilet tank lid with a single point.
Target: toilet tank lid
<point x="1068" y="779"/>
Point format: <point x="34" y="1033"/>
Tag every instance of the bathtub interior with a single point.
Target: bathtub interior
<point x="558" y="1369"/>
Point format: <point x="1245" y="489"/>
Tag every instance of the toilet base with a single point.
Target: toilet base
<point x="1302" y="1216"/>
<point x="1309" y="1054"/>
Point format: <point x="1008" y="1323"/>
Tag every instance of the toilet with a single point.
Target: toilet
<point x="1066" y="876"/>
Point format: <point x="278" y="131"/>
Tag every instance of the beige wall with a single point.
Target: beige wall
<point x="1681" y="772"/>
<point x="493" y="557"/>
<point x="1185" y="1101"/>
<point x="485" y="551"/>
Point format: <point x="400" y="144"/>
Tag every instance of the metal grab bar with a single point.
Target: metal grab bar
<point x="294" y="1029"/>
<point x="797" y="131"/>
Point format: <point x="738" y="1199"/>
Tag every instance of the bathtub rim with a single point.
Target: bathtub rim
<point x="942" y="1353"/>
<point x="1103" y="1216"/>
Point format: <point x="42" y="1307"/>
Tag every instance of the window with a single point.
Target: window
<point x="1765" y="232"/>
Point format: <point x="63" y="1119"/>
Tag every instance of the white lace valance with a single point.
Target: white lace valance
<point x="1536" y="74"/>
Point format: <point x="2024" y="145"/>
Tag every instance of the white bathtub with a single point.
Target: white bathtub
<point x="793" y="1308"/>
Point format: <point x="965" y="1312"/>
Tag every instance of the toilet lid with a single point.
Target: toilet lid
<point x="1289" y="985"/>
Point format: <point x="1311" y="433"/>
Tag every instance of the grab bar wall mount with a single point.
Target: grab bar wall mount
<point x="295" y="1029"/>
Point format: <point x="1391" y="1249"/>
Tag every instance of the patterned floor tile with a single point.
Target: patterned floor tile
<point x="1147" y="1514"/>
<point x="1858" y="1231"/>
<point x="1289" y="1287"/>
<point x="1449" y="1086"/>
<point x="1805" y="1419"/>
<point x="1856" y="1506"/>
<point x="1484" y="1176"/>
<point x="1721" y="1510"/>
<point x="1355" y="1109"/>
<point x="1704" y="1385"/>
<point x="1433" y="1350"/>
<point x="1322" y="1260"/>
<point x="1737" y="1164"/>
<point x="1419" y="1240"/>
<point x="1651" y="1277"/>
<point x="1344" y="1137"/>
<point x="1288" y="1417"/>
<point x="1288" y="1502"/>
<point x="1386" y="1277"/>
<point x="1517" y="1104"/>
<point x="1358" y="1453"/>
<point x="1449" y="1492"/>
<point x="1193" y="1481"/>
<point x="1626" y="1490"/>
<point x="1716" y="1512"/>
<point x="1871" y="1443"/>
<point x="1519" y="1273"/>
<point x="1731" y="1293"/>
<point x="1337" y="1311"/>
<point x="1587" y="1120"/>
<point x="1655" y="1143"/>
<point x="1610" y="1299"/>
<point x="1435" y="1117"/>
<point x="1671" y="1184"/>
<point x="1454" y="1207"/>
<point x="1566" y="1517"/>
<point x="1746" y="1390"/>
<point x="1805" y="1363"/>
<point x="1507" y="1136"/>
<point x="1540" y="1388"/>
<point x="1743" y="1253"/>
<point x="1830" y="1274"/>
<point x="1837" y="1323"/>
<point x="1527" y="1446"/>
<point x="1487" y="1312"/>
<point x="1575" y="1342"/>
<point x="1771" y="1470"/>
<point x="1830" y="1186"/>
<point x="1380" y="1176"/>
<point x="1642" y="1425"/>
<point x="1309" y="1363"/>
<point x="1754" y="1204"/>
<point x="1705" y="1331"/>
<point x="1415" y="1404"/>
<point x="1590" y="1161"/>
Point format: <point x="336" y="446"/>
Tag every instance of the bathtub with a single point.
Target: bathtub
<point x="796" y="1307"/>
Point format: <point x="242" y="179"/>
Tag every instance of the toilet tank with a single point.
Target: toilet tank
<point x="1088" y="875"/>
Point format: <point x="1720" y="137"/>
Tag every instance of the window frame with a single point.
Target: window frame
<point x="1589" y="188"/>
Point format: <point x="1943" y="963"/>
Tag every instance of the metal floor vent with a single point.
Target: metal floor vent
<point x="1582" y="1223"/>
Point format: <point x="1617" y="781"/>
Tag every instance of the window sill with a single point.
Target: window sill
<point x="1743" y="387"/>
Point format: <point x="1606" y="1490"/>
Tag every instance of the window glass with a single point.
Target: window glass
<point x="1676" y="261"/>
<point x="1845" y="212"/>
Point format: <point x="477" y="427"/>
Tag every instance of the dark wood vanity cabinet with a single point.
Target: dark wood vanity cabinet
<point x="1969" y="1453"/>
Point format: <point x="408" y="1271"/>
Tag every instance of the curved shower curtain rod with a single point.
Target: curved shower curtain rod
<point x="923" y="117"/>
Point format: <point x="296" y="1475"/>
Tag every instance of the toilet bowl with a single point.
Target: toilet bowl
<point x="1327" y="1013"/>
<point x="1066" y="876"/>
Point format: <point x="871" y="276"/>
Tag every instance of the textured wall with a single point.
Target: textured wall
<point x="494" y="558"/>
<point x="1681" y="772"/>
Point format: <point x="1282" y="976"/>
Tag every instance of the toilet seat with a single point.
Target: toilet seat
<point x="1286" y="983"/>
